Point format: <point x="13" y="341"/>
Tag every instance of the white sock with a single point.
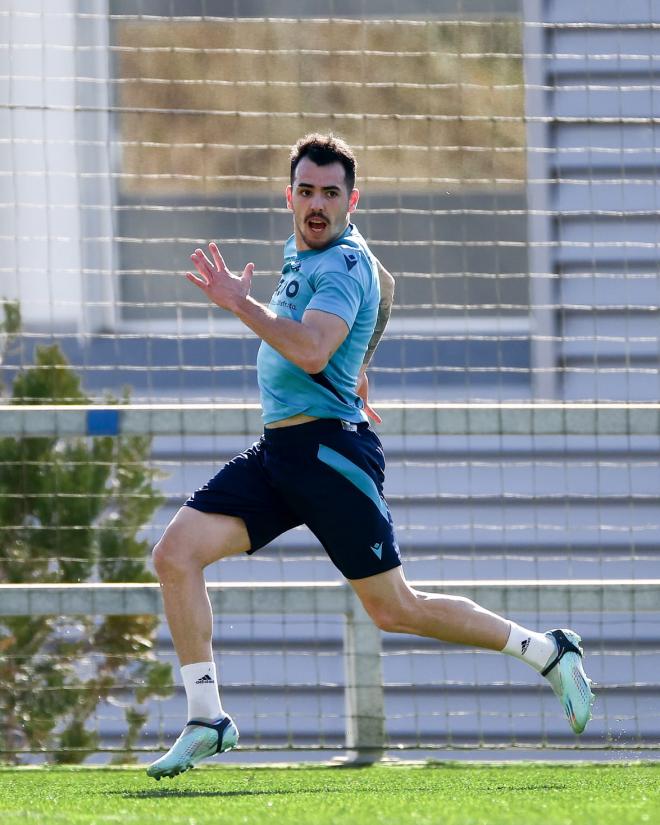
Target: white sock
<point x="201" y="684"/>
<point x="536" y="649"/>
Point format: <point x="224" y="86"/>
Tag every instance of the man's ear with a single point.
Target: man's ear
<point x="289" y="195"/>
<point x="353" y="199"/>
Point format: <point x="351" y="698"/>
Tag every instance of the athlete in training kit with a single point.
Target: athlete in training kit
<point x="318" y="462"/>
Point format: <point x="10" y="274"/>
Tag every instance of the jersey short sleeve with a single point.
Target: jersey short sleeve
<point x="339" y="294"/>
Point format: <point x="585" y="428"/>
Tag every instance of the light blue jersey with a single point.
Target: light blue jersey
<point x="341" y="279"/>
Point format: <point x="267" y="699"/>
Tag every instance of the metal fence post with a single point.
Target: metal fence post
<point x="364" y="693"/>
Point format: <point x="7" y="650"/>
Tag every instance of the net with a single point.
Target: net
<point x="547" y="520"/>
<point x="303" y="670"/>
<point x="508" y="177"/>
<point x="141" y="145"/>
<point x="507" y="167"/>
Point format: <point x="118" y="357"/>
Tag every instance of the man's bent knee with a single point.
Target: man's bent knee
<point x="171" y="555"/>
<point x="389" y="600"/>
<point x="389" y="622"/>
<point x="194" y="540"/>
<point x="409" y="615"/>
<point x="390" y="617"/>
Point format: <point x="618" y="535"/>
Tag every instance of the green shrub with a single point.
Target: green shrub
<point x="71" y="510"/>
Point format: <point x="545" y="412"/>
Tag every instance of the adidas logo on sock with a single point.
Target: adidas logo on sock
<point x="205" y="680"/>
<point x="524" y="645"/>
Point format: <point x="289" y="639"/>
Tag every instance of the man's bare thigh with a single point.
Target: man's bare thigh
<point x="207" y="537"/>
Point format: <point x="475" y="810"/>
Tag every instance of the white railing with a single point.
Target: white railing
<point x="399" y="418"/>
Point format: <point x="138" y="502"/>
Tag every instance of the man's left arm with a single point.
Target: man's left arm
<point x="384" y="311"/>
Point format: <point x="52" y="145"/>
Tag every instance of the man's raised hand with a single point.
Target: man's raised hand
<point x="217" y="282"/>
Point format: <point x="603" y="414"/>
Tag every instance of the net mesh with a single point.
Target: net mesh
<point x="508" y="176"/>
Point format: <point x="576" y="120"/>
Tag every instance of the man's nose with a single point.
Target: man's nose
<point x="317" y="202"/>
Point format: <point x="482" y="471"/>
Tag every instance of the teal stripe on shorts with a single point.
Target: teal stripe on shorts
<point x="354" y="474"/>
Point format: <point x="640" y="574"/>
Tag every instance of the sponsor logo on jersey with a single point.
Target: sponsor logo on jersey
<point x="351" y="261"/>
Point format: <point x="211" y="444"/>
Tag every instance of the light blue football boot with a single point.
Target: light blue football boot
<point x="198" y="741"/>
<point x="568" y="679"/>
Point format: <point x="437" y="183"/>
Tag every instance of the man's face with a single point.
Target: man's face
<point x="320" y="202"/>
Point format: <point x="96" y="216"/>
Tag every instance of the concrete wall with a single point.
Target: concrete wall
<point x="594" y="194"/>
<point x="55" y="233"/>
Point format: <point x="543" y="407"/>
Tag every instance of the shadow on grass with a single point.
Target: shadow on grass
<point x="160" y="793"/>
<point x="176" y="793"/>
<point x="527" y="788"/>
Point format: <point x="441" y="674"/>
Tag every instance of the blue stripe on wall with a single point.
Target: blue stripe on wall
<point x="103" y="422"/>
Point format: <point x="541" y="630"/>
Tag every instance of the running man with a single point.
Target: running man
<point x="318" y="462"/>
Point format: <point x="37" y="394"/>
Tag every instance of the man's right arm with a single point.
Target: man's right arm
<point x="384" y="311"/>
<point x="308" y="343"/>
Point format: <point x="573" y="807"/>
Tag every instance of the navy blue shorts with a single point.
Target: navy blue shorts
<point x="321" y="474"/>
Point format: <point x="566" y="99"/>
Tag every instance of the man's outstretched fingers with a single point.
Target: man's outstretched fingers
<point x="218" y="260"/>
<point x="200" y="256"/>
<point x="195" y="279"/>
<point x="248" y="272"/>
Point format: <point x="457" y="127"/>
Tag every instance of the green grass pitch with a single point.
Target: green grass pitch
<point x="442" y="793"/>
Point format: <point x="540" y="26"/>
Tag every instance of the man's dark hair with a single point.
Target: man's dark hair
<point x="324" y="150"/>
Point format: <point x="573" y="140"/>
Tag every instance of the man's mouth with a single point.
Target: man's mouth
<point x="317" y="225"/>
